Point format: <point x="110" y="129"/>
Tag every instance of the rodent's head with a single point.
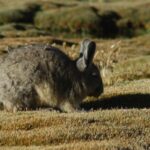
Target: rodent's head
<point x="93" y="81"/>
<point x="91" y="75"/>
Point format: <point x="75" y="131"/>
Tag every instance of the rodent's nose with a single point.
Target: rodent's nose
<point x="101" y="89"/>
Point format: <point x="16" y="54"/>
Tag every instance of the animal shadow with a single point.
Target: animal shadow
<point x="128" y="101"/>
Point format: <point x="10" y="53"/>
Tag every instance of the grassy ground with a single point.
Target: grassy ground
<point x="103" y="129"/>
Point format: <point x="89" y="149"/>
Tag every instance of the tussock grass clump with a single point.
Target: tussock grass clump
<point x="132" y="69"/>
<point x="23" y="13"/>
<point x="126" y="70"/>
<point x="77" y="20"/>
<point x="135" y="19"/>
<point x="106" y="60"/>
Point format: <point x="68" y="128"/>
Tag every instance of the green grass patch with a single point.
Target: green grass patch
<point x="77" y="20"/>
<point x="20" y="30"/>
<point x="19" y="14"/>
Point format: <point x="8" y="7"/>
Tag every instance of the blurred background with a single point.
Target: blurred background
<point x="74" y="18"/>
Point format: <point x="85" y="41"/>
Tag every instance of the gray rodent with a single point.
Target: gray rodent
<point x="36" y="75"/>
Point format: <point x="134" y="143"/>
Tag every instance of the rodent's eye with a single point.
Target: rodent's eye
<point x="94" y="74"/>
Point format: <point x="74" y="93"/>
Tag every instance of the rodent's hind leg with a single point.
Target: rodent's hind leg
<point x="68" y="107"/>
<point x="11" y="106"/>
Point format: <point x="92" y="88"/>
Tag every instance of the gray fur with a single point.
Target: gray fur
<point x="37" y="75"/>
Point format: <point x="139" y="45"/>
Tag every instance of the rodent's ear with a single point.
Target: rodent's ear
<point x="87" y="51"/>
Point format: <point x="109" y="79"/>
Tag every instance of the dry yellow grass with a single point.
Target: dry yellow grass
<point x="129" y="128"/>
